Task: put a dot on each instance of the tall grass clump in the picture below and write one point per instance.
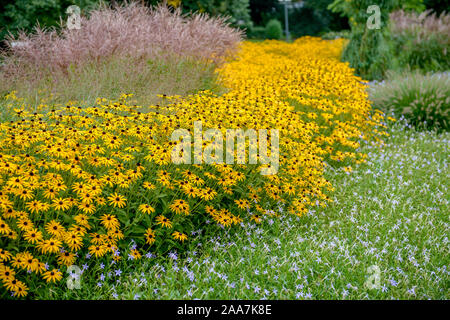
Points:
(424, 100)
(126, 39)
(421, 41)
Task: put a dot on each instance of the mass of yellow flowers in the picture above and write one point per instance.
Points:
(77, 180)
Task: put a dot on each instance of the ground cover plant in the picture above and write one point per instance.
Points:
(80, 180)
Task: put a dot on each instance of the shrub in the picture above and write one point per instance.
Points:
(274, 30)
(438, 6)
(256, 32)
(421, 41)
(424, 100)
(370, 51)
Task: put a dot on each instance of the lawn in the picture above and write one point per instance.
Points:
(389, 220)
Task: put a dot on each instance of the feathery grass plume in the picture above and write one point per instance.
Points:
(130, 31)
(421, 41)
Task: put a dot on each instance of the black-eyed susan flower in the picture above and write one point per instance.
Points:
(73, 240)
(110, 221)
(4, 255)
(6, 273)
(163, 221)
(20, 289)
(148, 185)
(135, 254)
(52, 275)
(117, 200)
(150, 237)
(242, 204)
(60, 204)
(66, 258)
(50, 246)
(146, 208)
(97, 250)
(54, 228)
(179, 236)
(33, 235)
(88, 208)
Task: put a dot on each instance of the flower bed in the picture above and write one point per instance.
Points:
(77, 180)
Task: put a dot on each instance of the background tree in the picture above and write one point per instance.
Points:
(24, 14)
(314, 18)
(438, 5)
(262, 11)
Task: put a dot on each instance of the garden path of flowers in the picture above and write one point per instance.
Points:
(81, 180)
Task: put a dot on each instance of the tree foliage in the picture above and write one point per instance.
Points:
(24, 14)
(369, 49)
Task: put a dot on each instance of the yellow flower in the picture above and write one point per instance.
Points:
(52, 275)
(135, 254)
(150, 236)
(163, 221)
(61, 204)
(117, 200)
(33, 235)
(179, 236)
(256, 218)
(146, 208)
(97, 250)
(66, 258)
(110, 222)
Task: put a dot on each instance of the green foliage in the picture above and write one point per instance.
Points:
(438, 5)
(24, 14)
(422, 99)
(314, 18)
(274, 30)
(370, 51)
(263, 10)
(238, 11)
(256, 32)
